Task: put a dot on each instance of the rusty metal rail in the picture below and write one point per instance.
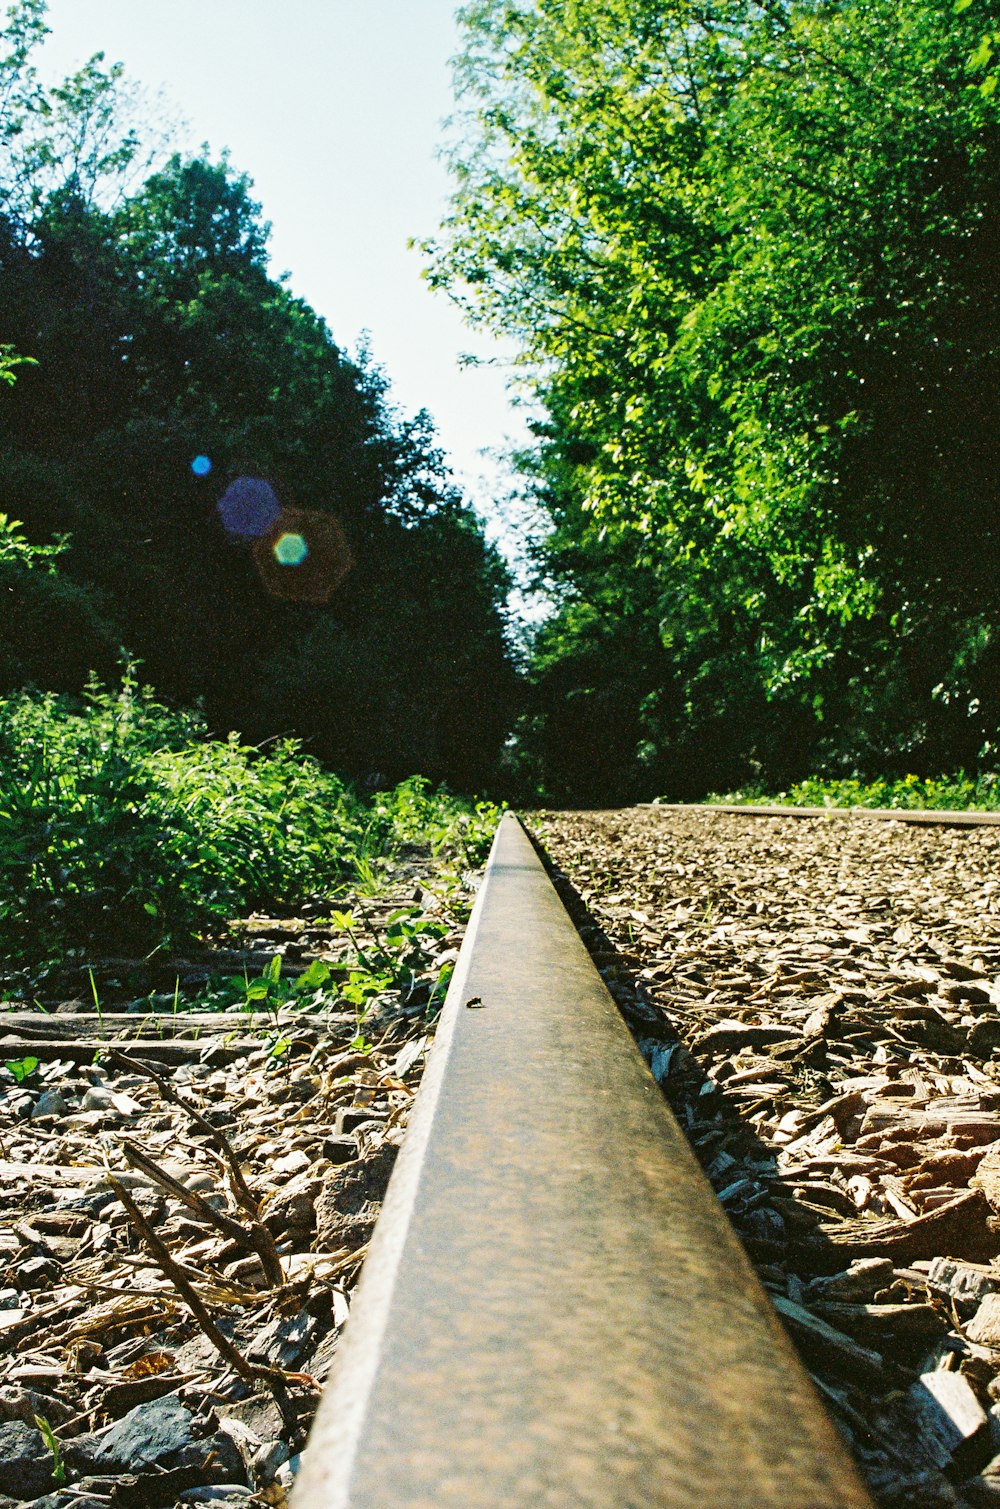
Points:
(923, 817)
(555, 1311)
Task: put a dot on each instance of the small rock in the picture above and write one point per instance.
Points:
(99, 1098)
(246, 1440)
(291, 1163)
(36, 1273)
(221, 1495)
(78, 1497)
(201, 1184)
(349, 1118)
(984, 1327)
(984, 1037)
(348, 1205)
(729, 1037)
(267, 1460)
(154, 1435)
(25, 1461)
(964, 990)
(281, 1343)
(20, 1403)
(49, 1103)
(219, 1116)
(763, 1228)
(965, 1281)
(340, 1149)
(287, 1472)
(293, 1208)
(861, 1281)
(987, 1175)
(952, 1424)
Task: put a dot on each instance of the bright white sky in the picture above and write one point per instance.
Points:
(334, 109)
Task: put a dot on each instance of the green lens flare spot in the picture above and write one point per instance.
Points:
(290, 550)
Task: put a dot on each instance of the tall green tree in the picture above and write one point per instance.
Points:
(158, 334)
(749, 253)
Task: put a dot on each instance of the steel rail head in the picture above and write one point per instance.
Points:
(941, 817)
(555, 1310)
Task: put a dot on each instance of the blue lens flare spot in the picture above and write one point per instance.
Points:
(290, 550)
(201, 466)
(249, 507)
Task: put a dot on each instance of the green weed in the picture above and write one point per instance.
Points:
(955, 792)
(51, 1440)
(124, 828)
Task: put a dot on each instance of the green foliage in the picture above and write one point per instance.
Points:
(9, 359)
(748, 254)
(59, 1475)
(156, 333)
(414, 813)
(21, 1069)
(946, 793)
(123, 827)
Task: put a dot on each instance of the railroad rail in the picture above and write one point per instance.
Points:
(923, 817)
(554, 1310)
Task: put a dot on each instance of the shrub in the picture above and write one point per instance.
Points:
(124, 827)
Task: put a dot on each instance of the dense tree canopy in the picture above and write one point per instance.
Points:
(750, 254)
(139, 289)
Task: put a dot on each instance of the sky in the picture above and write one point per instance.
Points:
(334, 109)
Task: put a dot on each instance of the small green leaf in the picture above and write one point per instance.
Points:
(961, 5)
(21, 1068)
(52, 1442)
(316, 975)
(983, 52)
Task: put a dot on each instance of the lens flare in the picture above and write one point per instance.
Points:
(201, 466)
(290, 550)
(311, 542)
(249, 508)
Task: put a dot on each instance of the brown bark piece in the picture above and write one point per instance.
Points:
(951, 1420)
(987, 1175)
(959, 1228)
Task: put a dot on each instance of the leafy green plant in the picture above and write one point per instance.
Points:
(957, 792)
(52, 1442)
(125, 828)
(16, 548)
(22, 1068)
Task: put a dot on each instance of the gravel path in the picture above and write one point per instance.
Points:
(214, 1190)
(819, 1000)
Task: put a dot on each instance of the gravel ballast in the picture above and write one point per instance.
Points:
(820, 1001)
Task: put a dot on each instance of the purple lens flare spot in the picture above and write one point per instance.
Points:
(249, 507)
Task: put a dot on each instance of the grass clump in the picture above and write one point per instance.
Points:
(944, 793)
(124, 827)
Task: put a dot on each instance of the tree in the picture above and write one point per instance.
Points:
(749, 254)
(159, 335)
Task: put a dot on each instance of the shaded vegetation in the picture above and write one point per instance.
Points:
(749, 253)
(947, 793)
(136, 285)
(124, 829)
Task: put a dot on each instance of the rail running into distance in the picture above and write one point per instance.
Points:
(554, 1310)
